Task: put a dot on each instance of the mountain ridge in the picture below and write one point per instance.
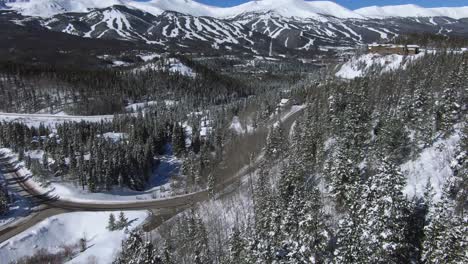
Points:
(287, 8)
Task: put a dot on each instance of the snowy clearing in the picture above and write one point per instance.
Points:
(171, 65)
(363, 65)
(67, 230)
(137, 106)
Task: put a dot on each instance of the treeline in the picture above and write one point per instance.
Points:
(31, 88)
(338, 197)
(428, 40)
(87, 153)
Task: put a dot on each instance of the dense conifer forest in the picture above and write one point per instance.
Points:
(328, 189)
(333, 191)
(271, 132)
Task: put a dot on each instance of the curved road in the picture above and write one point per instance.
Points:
(47, 206)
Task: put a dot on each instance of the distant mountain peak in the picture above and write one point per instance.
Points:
(411, 10)
(286, 8)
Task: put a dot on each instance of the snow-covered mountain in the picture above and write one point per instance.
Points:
(48, 8)
(259, 27)
(412, 11)
(169, 30)
(286, 8)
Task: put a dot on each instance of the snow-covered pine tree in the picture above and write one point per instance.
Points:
(422, 110)
(262, 202)
(313, 234)
(211, 185)
(445, 235)
(167, 255)
(237, 248)
(122, 222)
(198, 238)
(449, 108)
(344, 176)
(350, 229)
(458, 183)
(276, 143)
(374, 231)
(178, 139)
(393, 140)
(111, 226)
(385, 218)
(4, 201)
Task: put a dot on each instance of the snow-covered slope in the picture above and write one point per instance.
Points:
(286, 8)
(157, 7)
(67, 230)
(453, 12)
(374, 63)
(293, 8)
(432, 165)
(412, 11)
(47, 8)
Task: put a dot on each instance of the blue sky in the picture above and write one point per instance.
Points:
(353, 4)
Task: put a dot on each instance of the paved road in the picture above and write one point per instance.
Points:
(47, 206)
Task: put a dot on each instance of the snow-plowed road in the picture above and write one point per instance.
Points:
(48, 206)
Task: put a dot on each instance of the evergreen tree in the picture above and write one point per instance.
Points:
(374, 229)
(123, 221)
(4, 201)
(236, 247)
(167, 253)
(449, 108)
(211, 185)
(276, 143)
(445, 235)
(344, 177)
(458, 182)
(111, 226)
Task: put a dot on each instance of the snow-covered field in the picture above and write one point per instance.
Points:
(172, 65)
(362, 65)
(137, 106)
(67, 230)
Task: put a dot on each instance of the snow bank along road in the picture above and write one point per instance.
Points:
(47, 205)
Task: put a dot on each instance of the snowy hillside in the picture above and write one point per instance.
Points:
(286, 8)
(47, 8)
(56, 232)
(432, 165)
(157, 7)
(292, 8)
(366, 64)
(412, 11)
